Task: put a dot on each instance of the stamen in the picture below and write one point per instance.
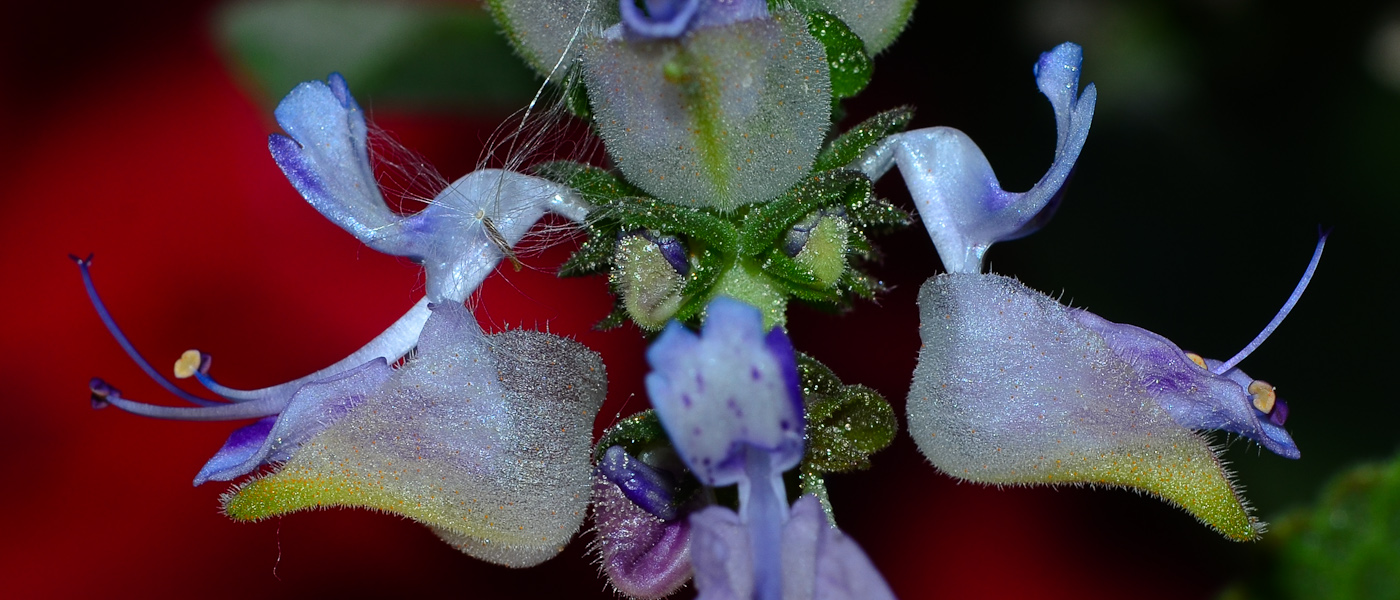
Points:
(1196, 358)
(103, 394)
(392, 344)
(190, 362)
(1263, 396)
(100, 392)
(83, 266)
(1283, 312)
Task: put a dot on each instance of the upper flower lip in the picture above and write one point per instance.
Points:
(954, 188)
(461, 236)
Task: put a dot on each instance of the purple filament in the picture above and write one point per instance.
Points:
(1278, 318)
(84, 264)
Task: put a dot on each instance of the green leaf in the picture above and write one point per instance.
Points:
(542, 31)
(615, 319)
(650, 213)
(593, 256)
(636, 434)
(766, 224)
(877, 22)
(411, 55)
(1347, 546)
(599, 187)
(850, 145)
(810, 481)
(872, 212)
(850, 67)
(845, 424)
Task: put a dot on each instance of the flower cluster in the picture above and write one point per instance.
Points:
(730, 195)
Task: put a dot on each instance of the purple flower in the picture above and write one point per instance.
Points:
(457, 428)
(462, 423)
(1014, 387)
(731, 404)
(644, 555)
(459, 238)
(288, 413)
(957, 194)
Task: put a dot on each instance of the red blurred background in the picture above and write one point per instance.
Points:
(127, 136)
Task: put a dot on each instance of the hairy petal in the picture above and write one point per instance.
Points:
(1195, 397)
(313, 408)
(483, 438)
(643, 556)
(722, 117)
(1011, 388)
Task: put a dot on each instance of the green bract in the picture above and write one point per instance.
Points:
(845, 54)
(877, 22)
(719, 118)
(543, 30)
(801, 244)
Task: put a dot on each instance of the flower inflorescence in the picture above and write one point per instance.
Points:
(731, 194)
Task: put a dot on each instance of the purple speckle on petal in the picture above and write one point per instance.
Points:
(755, 373)
(685, 399)
(734, 407)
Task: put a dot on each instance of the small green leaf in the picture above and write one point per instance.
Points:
(850, 145)
(636, 434)
(810, 481)
(599, 187)
(766, 224)
(872, 212)
(850, 67)
(593, 256)
(615, 319)
(845, 423)
(877, 22)
(650, 213)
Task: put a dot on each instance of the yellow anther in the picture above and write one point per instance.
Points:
(1196, 358)
(188, 364)
(1263, 395)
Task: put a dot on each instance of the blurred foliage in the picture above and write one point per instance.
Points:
(1347, 546)
(416, 56)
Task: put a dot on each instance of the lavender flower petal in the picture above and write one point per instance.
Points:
(315, 407)
(819, 561)
(955, 190)
(1195, 397)
(816, 560)
(464, 233)
(1014, 388)
(643, 556)
(724, 390)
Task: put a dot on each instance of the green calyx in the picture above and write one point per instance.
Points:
(806, 244)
